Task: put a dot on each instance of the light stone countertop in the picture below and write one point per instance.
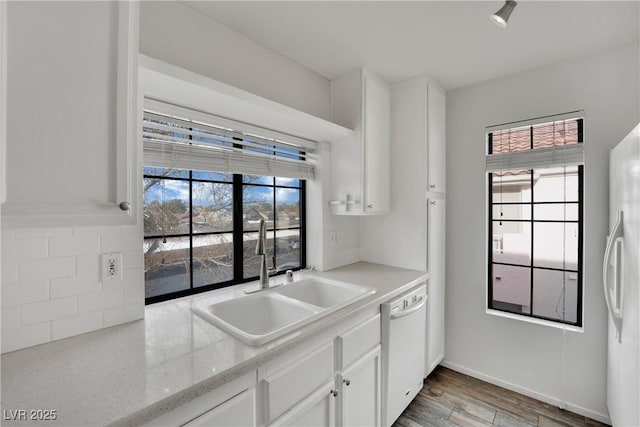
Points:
(129, 374)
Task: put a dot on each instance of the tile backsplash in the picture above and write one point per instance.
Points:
(51, 284)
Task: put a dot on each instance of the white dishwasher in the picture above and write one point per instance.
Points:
(404, 322)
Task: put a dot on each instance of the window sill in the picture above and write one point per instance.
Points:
(536, 321)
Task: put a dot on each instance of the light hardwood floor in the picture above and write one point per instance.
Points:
(449, 398)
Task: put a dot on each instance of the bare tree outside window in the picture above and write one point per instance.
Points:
(192, 225)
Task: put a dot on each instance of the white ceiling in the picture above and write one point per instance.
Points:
(452, 41)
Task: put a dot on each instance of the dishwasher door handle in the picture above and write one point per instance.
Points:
(410, 310)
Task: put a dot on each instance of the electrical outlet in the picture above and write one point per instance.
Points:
(112, 266)
(333, 238)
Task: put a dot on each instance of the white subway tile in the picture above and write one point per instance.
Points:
(130, 229)
(9, 272)
(19, 249)
(76, 325)
(16, 339)
(134, 294)
(25, 293)
(31, 233)
(133, 277)
(99, 230)
(51, 268)
(133, 259)
(70, 286)
(124, 314)
(88, 266)
(123, 242)
(10, 318)
(48, 310)
(7, 234)
(75, 245)
(100, 301)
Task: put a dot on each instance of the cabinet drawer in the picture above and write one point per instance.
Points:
(295, 382)
(217, 402)
(239, 411)
(357, 341)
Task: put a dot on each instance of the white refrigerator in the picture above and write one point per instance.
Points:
(621, 278)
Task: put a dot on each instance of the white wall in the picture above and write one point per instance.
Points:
(557, 366)
(175, 33)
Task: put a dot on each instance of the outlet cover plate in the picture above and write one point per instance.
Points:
(111, 266)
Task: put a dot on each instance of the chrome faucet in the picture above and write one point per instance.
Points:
(261, 250)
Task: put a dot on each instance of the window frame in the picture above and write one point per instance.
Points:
(237, 231)
(532, 221)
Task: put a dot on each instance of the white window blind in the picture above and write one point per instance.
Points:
(180, 138)
(539, 143)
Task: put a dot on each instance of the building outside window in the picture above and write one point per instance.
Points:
(535, 219)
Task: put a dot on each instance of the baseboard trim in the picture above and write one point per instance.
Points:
(603, 418)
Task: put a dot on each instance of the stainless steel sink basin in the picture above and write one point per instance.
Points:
(258, 318)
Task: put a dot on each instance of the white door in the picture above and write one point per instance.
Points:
(317, 410)
(436, 267)
(621, 284)
(436, 111)
(377, 101)
(361, 392)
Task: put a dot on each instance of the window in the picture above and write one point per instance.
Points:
(535, 219)
(205, 192)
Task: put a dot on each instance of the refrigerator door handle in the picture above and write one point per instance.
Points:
(612, 252)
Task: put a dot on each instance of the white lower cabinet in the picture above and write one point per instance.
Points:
(358, 378)
(296, 395)
(331, 381)
(317, 410)
(360, 390)
(232, 404)
(295, 377)
(436, 217)
(238, 411)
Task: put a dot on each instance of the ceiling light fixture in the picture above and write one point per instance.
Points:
(501, 17)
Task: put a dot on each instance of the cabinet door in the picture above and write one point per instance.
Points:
(360, 386)
(72, 114)
(318, 410)
(436, 266)
(376, 116)
(239, 411)
(436, 110)
(299, 378)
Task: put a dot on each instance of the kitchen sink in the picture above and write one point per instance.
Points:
(321, 293)
(259, 318)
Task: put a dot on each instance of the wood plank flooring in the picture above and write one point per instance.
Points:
(449, 398)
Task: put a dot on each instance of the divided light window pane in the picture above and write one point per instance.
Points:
(193, 224)
(535, 225)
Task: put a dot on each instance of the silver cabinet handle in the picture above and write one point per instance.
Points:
(346, 382)
(334, 393)
(433, 202)
(370, 206)
(432, 186)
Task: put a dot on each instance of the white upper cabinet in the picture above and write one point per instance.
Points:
(71, 114)
(360, 168)
(419, 112)
(436, 150)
